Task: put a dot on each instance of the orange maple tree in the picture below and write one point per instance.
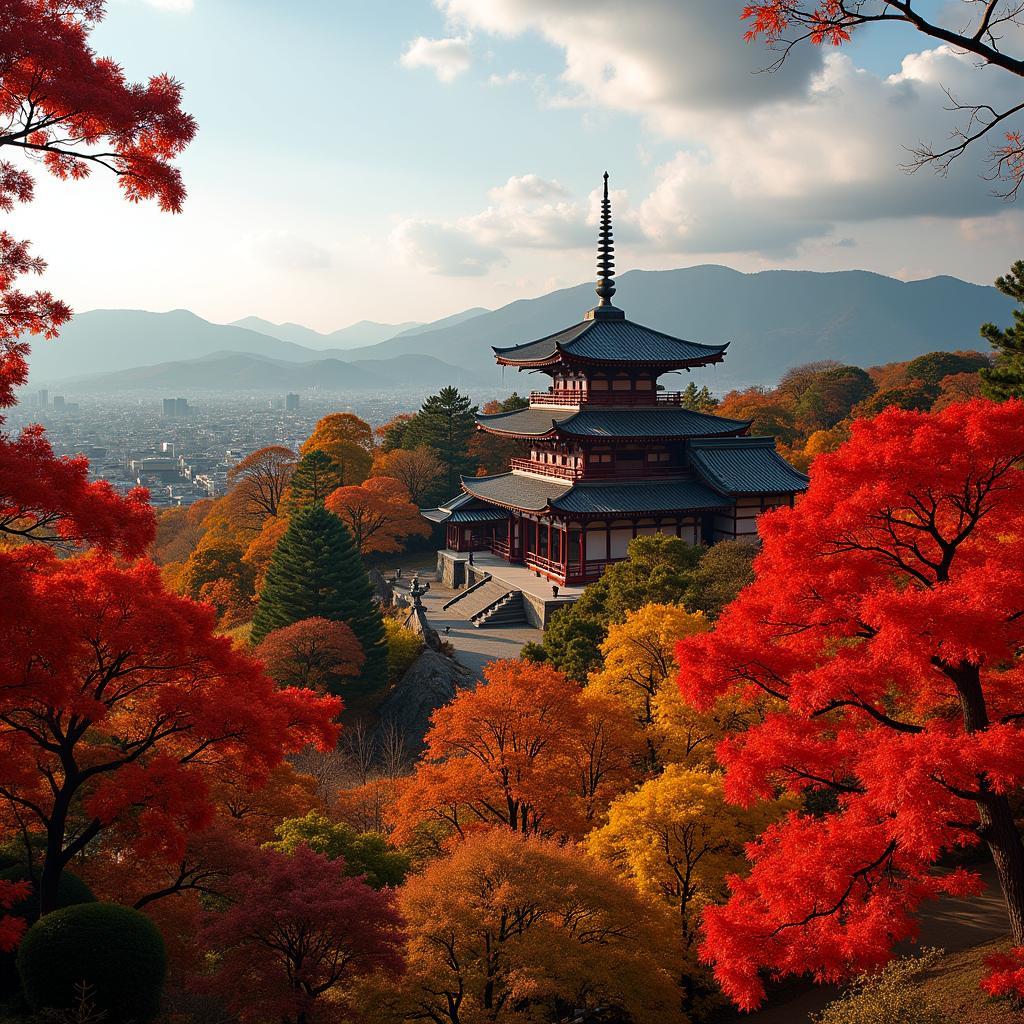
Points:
(527, 750)
(378, 513)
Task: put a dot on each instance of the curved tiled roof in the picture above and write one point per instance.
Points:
(537, 494)
(603, 340)
(516, 490)
(642, 496)
(461, 509)
(661, 422)
(744, 465)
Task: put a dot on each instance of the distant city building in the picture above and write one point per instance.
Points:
(291, 403)
(177, 408)
(58, 403)
(167, 447)
(277, 403)
(44, 398)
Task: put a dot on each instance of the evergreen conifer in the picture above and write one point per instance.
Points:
(316, 571)
(314, 478)
(445, 423)
(1005, 379)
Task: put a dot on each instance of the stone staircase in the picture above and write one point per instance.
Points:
(490, 603)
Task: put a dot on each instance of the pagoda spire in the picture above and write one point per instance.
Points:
(605, 286)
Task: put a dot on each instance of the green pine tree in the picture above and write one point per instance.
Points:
(315, 476)
(1005, 378)
(316, 571)
(445, 423)
(698, 399)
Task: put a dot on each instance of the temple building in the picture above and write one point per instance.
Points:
(608, 455)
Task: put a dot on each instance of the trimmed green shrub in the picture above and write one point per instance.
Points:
(115, 950)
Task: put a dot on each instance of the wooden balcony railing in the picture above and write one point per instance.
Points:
(634, 470)
(545, 469)
(502, 549)
(567, 397)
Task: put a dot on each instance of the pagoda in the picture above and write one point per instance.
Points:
(608, 455)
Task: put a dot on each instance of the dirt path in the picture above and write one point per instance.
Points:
(951, 924)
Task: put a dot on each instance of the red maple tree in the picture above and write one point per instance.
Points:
(120, 708)
(297, 929)
(68, 107)
(314, 653)
(882, 638)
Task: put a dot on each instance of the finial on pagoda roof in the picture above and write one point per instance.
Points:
(605, 286)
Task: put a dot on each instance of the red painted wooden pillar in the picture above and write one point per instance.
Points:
(583, 549)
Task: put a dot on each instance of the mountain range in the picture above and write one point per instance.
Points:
(773, 320)
(363, 333)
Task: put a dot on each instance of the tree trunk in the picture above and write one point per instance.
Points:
(53, 864)
(999, 831)
(996, 825)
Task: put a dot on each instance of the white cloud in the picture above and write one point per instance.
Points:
(657, 58)
(527, 212)
(446, 249)
(283, 250)
(767, 161)
(447, 58)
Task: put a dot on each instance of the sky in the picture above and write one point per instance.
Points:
(399, 160)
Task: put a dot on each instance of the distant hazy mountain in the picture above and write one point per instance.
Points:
(774, 319)
(114, 339)
(228, 371)
(366, 332)
(448, 321)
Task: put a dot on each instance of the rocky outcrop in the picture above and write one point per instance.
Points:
(431, 681)
(416, 620)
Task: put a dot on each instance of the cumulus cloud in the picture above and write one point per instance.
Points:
(447, 249)
(660, 58)
(447, 58)
(766, 161)
(525, 212)
(772, 177)
(285, 251)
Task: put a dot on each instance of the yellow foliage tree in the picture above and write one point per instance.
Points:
(404, 646)
(639, 662)
(509, 928)
(678, 837)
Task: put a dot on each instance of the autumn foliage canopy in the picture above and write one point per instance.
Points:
(120, 707)
(882, 637)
